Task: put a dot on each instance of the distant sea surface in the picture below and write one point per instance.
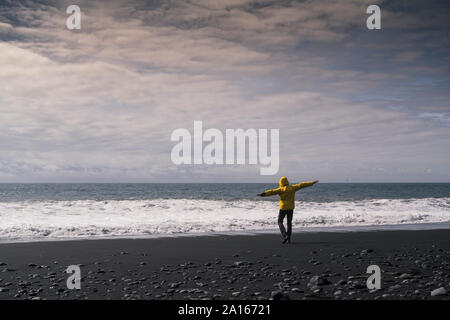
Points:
(36, 212)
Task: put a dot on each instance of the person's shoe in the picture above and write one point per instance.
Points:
(286, 239)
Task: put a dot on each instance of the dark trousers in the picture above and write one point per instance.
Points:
(281, 215)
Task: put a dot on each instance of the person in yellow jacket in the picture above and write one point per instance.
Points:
(287, 203)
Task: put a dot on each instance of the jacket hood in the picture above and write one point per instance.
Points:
(284, 182)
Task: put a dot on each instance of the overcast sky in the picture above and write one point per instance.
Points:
(100, 104)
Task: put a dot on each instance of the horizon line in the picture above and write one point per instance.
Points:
(172, 182)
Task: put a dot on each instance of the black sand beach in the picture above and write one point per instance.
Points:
(413, 264)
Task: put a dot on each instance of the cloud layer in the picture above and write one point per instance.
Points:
(100, 104)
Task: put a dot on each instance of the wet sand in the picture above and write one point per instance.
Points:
(320, 265)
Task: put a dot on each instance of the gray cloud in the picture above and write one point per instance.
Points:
(100, 104)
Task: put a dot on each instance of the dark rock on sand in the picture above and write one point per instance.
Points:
(338, 293)
(318, 281)
(279, 295)
(341, 282)
(438, 292)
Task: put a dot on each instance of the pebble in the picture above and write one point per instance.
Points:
(240, 263)
(438, 292)
(174, 285)
(318, 281)
(279, 295)
(395, 287)
(341, 282)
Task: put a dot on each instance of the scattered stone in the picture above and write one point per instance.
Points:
(316, 281)
(240, 263)
(279, 295)
(341, 282)
(438, 292)
(174, 285)
(395, 287)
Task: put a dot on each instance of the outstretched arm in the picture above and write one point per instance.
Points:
(304, 184)
(270, 192)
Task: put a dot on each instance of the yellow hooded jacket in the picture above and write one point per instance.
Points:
(287, 193)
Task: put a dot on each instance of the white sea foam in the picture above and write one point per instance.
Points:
(49, 220)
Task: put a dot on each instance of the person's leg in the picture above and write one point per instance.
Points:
(280, 223)
(289, 216)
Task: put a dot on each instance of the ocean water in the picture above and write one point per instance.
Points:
(36, 212)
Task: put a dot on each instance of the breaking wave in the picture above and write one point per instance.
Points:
(81, 219)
